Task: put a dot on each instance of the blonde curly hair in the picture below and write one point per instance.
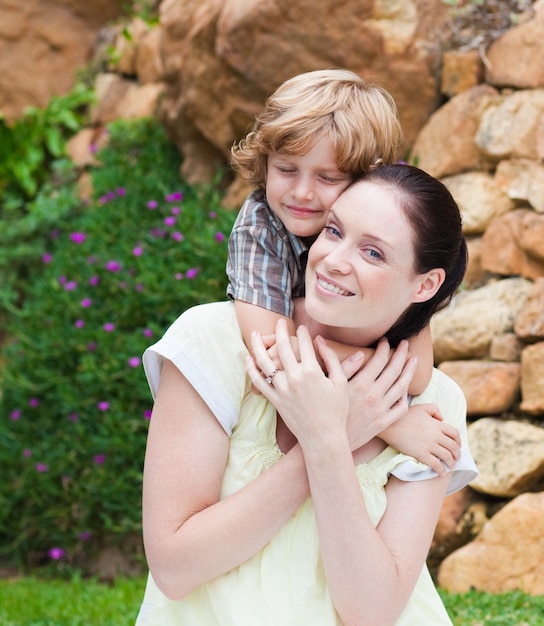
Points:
(359, 117)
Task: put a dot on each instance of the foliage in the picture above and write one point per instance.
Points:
(475, 24)
(75, 402)
(37, 184)
(28, 146)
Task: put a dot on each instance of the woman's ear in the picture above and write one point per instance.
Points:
(430, 284)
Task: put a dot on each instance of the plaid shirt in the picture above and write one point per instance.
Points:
(266, 262)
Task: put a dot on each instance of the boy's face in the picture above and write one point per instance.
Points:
(301, 189)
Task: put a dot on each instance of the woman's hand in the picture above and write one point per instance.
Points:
(378, 392)
(312, 404)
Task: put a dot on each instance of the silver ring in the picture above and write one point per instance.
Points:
(270, 378)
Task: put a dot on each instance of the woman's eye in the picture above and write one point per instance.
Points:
(334, 232)
(374, 254)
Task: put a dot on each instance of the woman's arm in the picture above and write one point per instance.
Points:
(191, 536)
(370, 572)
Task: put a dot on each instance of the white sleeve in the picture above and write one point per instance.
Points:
(206, 345)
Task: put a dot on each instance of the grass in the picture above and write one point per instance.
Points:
(78, 602)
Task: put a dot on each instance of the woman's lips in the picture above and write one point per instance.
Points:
(331, 287)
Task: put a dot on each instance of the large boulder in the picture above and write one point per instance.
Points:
(42, 45)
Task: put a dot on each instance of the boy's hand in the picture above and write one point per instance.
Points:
(423, 434)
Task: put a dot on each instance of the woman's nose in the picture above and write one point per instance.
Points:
(337, 260)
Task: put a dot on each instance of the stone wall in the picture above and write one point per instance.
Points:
(473, 115)
(42, 45)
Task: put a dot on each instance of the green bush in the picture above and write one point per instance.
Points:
(36, 183)
(75, 403)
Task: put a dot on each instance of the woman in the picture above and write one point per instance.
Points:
(250, 518)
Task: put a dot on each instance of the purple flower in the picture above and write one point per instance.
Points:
(113, 266)
(121, 191)
(219, 237)
(85, 535)
(175, 210)
(104, 405)
(73, 417)
(46, 258)
(70, 285)
(94, 280)
(191, 273)
(56, 554)
(78, 237)
(157, 232)
(86, 303)
(15, 414)
(99, 459)
(148, 332)
(27, 453)
(42, 467)
(174, 197)
(212, 215)
(34, 402)
(169, 220)
(109, 327)
(137, 251)
(147, 414)
(177, 236)
(93, 148)
(178, 276)
(139, 287)
(79, 323)
(134, 361)
(91, 347)
(152, 204)
(62, 280)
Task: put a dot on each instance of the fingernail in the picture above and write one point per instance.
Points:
(357, 356)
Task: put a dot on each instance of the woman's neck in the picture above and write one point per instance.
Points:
(350, 336)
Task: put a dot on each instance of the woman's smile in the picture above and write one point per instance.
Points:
(330, 286)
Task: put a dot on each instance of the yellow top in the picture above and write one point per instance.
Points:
(284, 583)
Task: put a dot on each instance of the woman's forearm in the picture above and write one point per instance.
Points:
(222, 536)
(361, 572)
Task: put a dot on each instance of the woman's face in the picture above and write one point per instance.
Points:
(360, 269)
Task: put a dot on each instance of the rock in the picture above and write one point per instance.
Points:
(507, 555)
(461, 70)
(490, 387)
(42, 45)
(454, 125)
(512, 244)
(512, 126)
(515, 58)
(465, 328)
(506, 347)
(475, 275)
(529, 323)
(479, 198)
(532, 385)
(223, 58)
(508, 454)
(523, 181)
(121, 98)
